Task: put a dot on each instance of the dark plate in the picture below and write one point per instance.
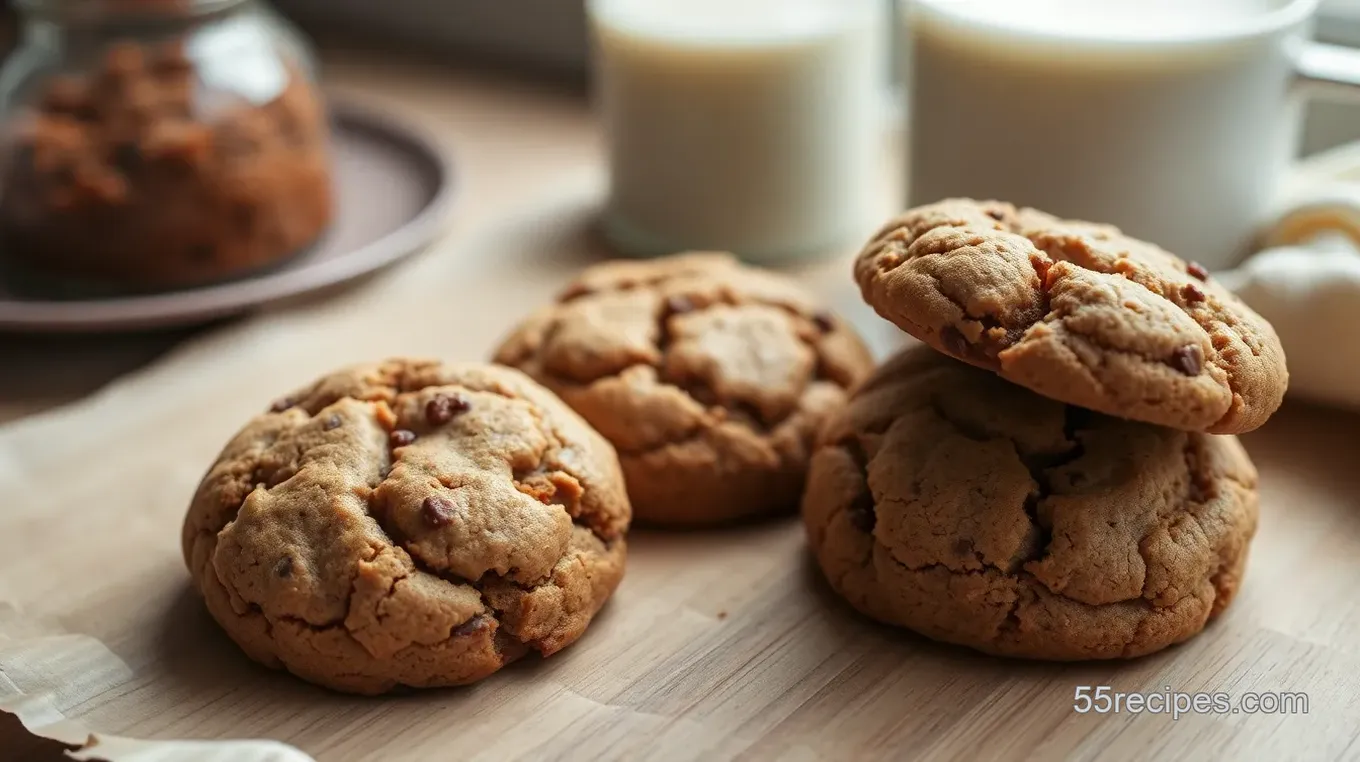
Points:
(394, 188)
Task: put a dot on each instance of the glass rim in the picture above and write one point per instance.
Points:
(1286, 14)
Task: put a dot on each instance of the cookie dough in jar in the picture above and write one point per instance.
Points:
(158, 144)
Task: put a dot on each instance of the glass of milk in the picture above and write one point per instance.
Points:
(1173, 119)
(751, 126)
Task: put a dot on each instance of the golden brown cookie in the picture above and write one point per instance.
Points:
(409, 524)
(972, 511)
(710, 379)
(1078, 312)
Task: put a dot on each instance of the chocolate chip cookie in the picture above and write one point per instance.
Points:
(710, 379)
(1078, 312)
(409, 523)
(975, 512)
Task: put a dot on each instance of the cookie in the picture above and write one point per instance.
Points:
(1078, 312)
(975, 512)
(408, 523)
(710, 379)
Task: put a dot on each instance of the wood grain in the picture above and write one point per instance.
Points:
(719, 645)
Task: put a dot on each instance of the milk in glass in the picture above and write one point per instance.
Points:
(742, 125)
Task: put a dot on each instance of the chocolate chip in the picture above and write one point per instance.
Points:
(284, 568)
(1197, 270)
(333, 422)
(401, 438)
(824, 322)
(679, 305)
(862, 514)
(472, 626)
(1191, 294)
(443, 408)
(953, 341)
(282, 404)
(438, 511)
(996, 214)
(1188, 359)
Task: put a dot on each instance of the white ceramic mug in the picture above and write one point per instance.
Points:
(1176, 120)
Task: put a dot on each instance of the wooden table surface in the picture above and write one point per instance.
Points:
(719, 645)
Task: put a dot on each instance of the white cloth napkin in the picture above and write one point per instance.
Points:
(1306, 281)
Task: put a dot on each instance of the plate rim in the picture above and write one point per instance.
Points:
(159, 311)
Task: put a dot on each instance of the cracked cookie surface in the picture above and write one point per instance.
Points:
(409, 523)
(975, 512)
(710, 379)
(1078, 312)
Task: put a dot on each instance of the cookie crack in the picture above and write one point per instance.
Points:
(378, 615)
(559, 381)
(593, 521)
(989, 346)
(1196, 495)
(702, 391)
(1039, 466)
(940, 289)
(394, 539)
(456, 631)
(1168, 362)
(1027, 581)
(746, 415)
(1011, 623)
(497, 616)
(466, 627)
(1210, 318)
(940, 565)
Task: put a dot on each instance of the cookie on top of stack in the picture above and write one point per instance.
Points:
(1067, 486)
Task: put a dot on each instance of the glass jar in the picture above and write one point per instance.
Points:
(158, 144)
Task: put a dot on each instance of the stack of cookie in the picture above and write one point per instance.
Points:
(1053, 476)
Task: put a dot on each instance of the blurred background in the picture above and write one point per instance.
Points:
(542, 45)
(550, 36)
